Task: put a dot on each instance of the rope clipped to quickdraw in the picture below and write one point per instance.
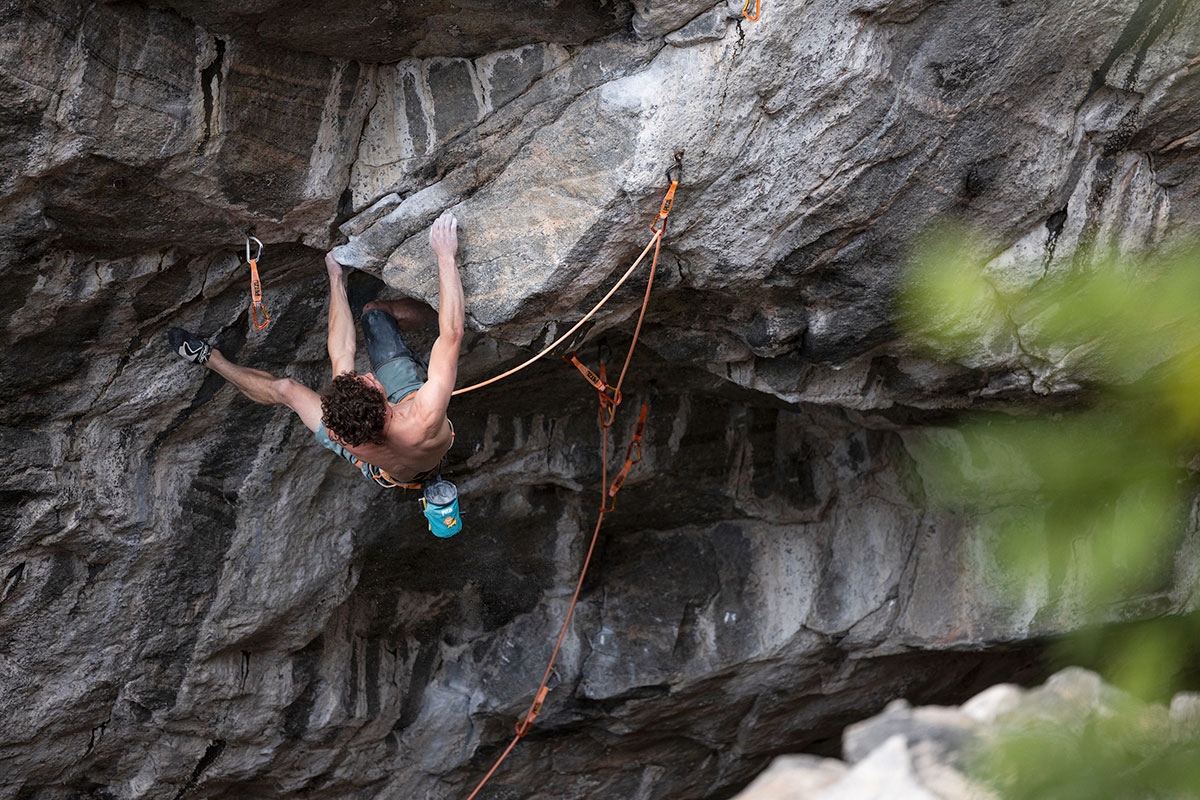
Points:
(256, 303)
(610, 398)
(633, 454)
(746, 10)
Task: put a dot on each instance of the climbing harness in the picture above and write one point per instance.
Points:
(439, 497)
(609, 398)
(381, 477)
(746, 12)
(256, 303)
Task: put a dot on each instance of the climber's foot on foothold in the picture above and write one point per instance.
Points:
(189, 346)
(361, 288)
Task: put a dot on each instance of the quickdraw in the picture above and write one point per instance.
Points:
(526, 723)
(659, 225)
(256, 303)
(610, 396)
(633, 454)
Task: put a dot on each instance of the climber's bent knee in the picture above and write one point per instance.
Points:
(299, 398)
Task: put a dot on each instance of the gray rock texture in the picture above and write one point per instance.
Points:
(198, 602)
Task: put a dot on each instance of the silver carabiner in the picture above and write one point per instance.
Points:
(257, 255)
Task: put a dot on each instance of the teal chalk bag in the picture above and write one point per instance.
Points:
(440, 505)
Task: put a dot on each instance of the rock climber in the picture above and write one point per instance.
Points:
(391, 422)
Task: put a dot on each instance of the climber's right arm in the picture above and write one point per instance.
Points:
(341, 340)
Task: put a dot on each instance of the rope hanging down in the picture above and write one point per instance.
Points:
(609, 399)
(256, 303)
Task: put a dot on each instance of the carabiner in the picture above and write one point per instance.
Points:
(257, 255)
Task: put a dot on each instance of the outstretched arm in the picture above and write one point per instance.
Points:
(434, 396)
(341, 325)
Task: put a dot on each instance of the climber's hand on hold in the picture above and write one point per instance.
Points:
(443, 237)
(334, 268)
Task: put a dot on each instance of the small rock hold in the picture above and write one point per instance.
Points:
(708, 27)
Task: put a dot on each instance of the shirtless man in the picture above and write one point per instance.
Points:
(391, 422)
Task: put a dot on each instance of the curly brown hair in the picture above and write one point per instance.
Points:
(353, 411)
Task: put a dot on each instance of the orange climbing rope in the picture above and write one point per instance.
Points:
(256, 303)
(609, 399)
(653, 242)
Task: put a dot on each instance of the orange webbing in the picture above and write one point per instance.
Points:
(587, 373)
(757, 7)
(633, 454)
(674, 175)
(610, 398)
(256, 304)
(660, 222)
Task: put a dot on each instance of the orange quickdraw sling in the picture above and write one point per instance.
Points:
(256, 303)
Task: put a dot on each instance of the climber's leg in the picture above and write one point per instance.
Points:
(395, 366)
(410, 314)
(261, 387)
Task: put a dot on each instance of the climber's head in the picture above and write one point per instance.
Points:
(354, 409)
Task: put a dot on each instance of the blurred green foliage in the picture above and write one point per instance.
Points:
(1090, 491)
(1128, 754)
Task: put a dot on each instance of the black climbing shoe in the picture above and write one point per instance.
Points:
(189, 346)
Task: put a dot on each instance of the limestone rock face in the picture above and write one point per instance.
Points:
(197, 601)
